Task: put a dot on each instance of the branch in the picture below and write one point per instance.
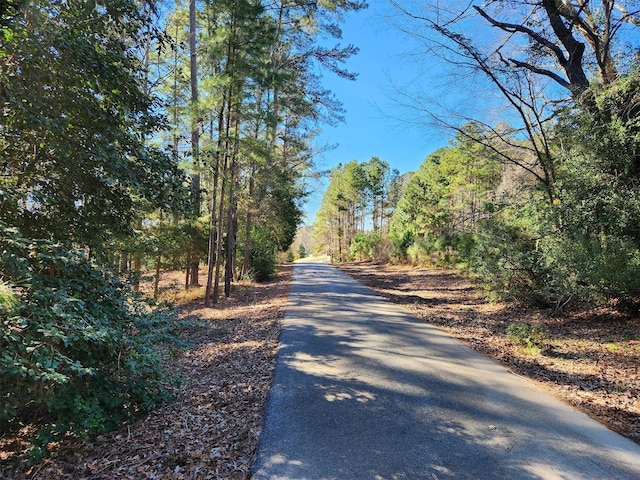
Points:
(627, 17)
(515, 28)
(542, 71)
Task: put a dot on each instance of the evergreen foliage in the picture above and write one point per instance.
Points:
(75, 114)
(78, 351)
(551, 216)
(136, 137)
(359, 196)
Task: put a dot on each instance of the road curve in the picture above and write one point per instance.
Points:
(363, 390)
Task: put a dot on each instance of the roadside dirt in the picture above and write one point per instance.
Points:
(211, 429)
(591, 358)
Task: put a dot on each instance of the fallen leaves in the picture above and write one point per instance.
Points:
(211, 429)
(592, 360)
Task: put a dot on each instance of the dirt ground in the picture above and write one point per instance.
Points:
(591, 358)
(211, 429)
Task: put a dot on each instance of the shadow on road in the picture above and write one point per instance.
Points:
(364, 390)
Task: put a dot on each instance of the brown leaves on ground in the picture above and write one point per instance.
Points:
(210, 430)
(591, 360)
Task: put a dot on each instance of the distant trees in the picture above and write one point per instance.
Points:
(537, 193)
(444, 201)
(566, 138)
(359, 198)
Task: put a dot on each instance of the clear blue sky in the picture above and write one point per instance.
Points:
(370, 128)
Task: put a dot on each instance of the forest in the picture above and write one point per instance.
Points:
(139, 137)
(539, 202)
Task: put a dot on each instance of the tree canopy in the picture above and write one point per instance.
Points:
(537, 192)
(75, 116)
(135, 137)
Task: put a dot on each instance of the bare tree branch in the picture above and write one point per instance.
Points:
(542, 71)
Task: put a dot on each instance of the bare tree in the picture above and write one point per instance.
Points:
(535, 52)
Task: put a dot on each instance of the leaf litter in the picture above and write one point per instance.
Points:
(212, 427)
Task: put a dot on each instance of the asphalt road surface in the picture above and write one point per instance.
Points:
(363, 390)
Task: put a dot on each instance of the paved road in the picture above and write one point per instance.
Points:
(363, 390)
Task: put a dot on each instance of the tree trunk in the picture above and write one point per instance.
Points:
(232, 222)
(187, 270)
(124, 262)
(195, 134)
(223, 187)
(156, 280)
(213, 224)
(248, 223)
(219, 238)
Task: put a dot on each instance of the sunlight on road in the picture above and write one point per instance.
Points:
(361, 382)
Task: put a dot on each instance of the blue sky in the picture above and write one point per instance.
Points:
(372, 126)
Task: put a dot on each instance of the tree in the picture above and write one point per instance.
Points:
(422, 209)
(75, 116)
(78, 348)
(532, 44)
(564, 73)
(380, 181)
(454, 189)
(195, 137)
(571, 34)
(354, 202)
(554, 39)
(264, 98)
(341, 213)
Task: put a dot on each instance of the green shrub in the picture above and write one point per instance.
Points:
(290, 256)
(78, 353)
(401, 244)
(364, 245)
(420, 252)
(527, 335)
(8, 301)
(465, 246)
(264, 254)
(507, 258)
(263, 262)
(595, 270)
(445, 250)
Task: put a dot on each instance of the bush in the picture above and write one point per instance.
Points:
(595, 270)
(420, 252)
(401, 245)
(508, 259)
(78, 351)
(445, 250)
(262, 257)
(466, 243)
(529, 336)
(364, 246)
(263, 262)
